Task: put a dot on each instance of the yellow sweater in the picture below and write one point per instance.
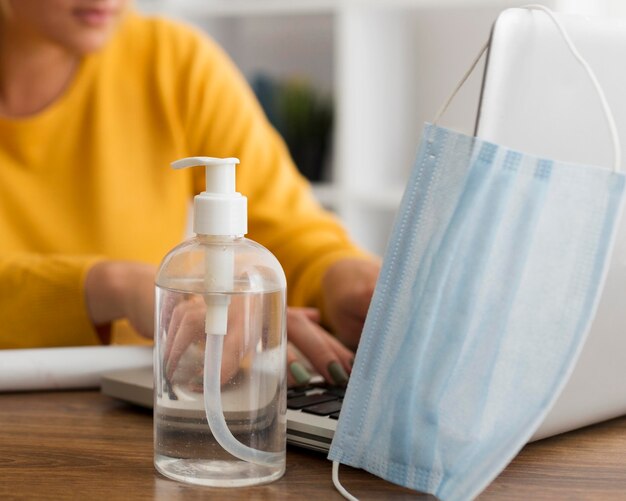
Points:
(89, 178)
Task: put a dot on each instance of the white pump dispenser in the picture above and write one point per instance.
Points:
(232, 265)
(217, 211)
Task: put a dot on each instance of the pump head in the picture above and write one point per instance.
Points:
(219, 210)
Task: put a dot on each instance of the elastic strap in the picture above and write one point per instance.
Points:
(470, 70)
(338, 485)
(617, 154)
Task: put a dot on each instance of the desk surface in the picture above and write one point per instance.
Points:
(83, 445)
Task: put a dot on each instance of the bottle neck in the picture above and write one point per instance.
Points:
(219, 238)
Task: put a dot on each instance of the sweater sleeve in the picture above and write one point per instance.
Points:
(52, 286)
(222, 118)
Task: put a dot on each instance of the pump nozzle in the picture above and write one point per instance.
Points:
(219, 172)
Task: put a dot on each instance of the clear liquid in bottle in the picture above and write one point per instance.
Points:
(253, 386)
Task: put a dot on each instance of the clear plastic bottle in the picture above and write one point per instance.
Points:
(220, 381)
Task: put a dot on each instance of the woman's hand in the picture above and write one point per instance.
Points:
(347, 288)
(326, 354)
(121, 289)
(185, 345)
(118, 289)
(186, 338)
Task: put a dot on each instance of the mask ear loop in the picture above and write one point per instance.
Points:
(342, 490)
(467, 74)
(617, 153)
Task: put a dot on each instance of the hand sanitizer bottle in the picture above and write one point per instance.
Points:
(220, 355)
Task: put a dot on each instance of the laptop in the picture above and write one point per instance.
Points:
(538, 99)
(527, 58)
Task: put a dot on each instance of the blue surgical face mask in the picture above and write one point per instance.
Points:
(488, 288)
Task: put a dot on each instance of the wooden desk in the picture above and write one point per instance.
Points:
(85, 446)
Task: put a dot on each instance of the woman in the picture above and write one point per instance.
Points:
(95, 101)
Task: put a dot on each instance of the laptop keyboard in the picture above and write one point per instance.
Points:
(320, 400)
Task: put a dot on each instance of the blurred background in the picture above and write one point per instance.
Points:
(349, 83)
